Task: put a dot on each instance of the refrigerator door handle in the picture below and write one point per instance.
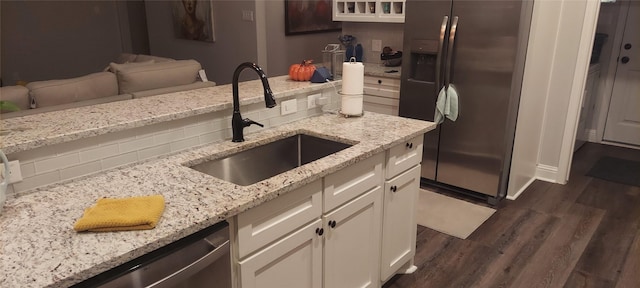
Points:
(443, 31)
(452, 39)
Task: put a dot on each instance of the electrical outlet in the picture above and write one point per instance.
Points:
(15, 174)
(289, 107)
(311, 100)
(376, 45)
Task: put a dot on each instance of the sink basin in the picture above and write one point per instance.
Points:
(265, 161)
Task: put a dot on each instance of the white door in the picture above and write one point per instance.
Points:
(623, 119)
(399, 221)
(352, 243)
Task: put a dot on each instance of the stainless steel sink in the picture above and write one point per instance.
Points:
(265, 161)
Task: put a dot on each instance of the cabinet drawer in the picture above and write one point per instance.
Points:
(352, 181)
(382, 81)
(404, 156)
(269, 221)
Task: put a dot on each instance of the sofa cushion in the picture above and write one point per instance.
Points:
(96, 101)
(157, 59)
(137, 78)
(114, 67)
(56, 92)
(18, 95)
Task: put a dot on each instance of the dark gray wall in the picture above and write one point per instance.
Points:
(44, 40)
(282, 51)
(58, 39)
(235, 40)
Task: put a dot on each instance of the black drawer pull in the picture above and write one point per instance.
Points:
(332, 223)
(319, 231)
(409, 145)
(393, 188)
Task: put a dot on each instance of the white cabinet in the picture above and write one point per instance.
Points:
(381, 95)
(352, 242)
(369, 11)
(331, 233)
(293, 261)
(402, 173)
(588, 106)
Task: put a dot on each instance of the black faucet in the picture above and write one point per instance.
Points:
(237, 123)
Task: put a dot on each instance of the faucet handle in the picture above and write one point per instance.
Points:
(246, 122)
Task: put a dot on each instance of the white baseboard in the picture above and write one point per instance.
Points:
(592, 137)
(524, 187)
(547, 173)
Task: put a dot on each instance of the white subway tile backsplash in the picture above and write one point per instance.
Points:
(37, 181)
(168, 137)
(136, 144)
(119, 160)
(185, 143)
(99, 153)
(28, 169)
(80, 170)
(50, 164)
(154, 151)
(57, 163)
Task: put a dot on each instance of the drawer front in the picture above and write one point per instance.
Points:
(269, 221)
(383, 87)
(404, 156)
(379, 108)
(352, 181)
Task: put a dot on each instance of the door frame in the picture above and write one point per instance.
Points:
(577, 90)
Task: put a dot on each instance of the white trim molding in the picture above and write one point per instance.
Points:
(547, 173)
(521, 190)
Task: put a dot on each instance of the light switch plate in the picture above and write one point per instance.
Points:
(15, 174)
(289, 107)
(311, 100)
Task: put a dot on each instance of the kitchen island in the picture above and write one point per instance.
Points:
(39, 248)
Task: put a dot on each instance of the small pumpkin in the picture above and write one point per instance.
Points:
(302, 71)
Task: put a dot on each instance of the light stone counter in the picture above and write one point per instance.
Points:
(39, 248)
(378, 70)
(34, 131)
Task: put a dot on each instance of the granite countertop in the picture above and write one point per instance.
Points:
(378, 70)
(34, 131)
(39, 248)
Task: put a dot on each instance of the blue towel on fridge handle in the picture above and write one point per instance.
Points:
(446, 105)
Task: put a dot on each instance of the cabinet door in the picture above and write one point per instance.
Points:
(293, 261)
(399, 221)
(352, 243)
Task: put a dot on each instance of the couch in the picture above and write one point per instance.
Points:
(130, 76)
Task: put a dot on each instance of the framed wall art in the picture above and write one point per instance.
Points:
(193, 20)
(309, 16)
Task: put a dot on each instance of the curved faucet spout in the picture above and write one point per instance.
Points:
(237, 123)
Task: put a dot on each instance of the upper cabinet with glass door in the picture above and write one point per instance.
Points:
(369, 11)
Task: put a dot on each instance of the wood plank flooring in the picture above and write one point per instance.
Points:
(582, 234)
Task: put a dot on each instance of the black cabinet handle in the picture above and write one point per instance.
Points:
(409, 145)
(393, 188)
(332, 223)
(624, 60)
(319, 231)
(379, 81)
(627, 46)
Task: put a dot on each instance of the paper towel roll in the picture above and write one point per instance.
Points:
(351, 105)
(352, 78)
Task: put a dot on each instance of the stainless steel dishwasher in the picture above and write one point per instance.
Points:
(199, 260)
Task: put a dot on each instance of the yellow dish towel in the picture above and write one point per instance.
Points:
(134, 213)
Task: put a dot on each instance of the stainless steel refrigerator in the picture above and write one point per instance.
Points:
(479, 47)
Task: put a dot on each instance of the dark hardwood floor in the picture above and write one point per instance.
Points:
(582, 234)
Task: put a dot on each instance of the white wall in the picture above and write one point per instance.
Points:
(555, 75)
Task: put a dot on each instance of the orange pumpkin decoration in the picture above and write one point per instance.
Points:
(302, 71)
